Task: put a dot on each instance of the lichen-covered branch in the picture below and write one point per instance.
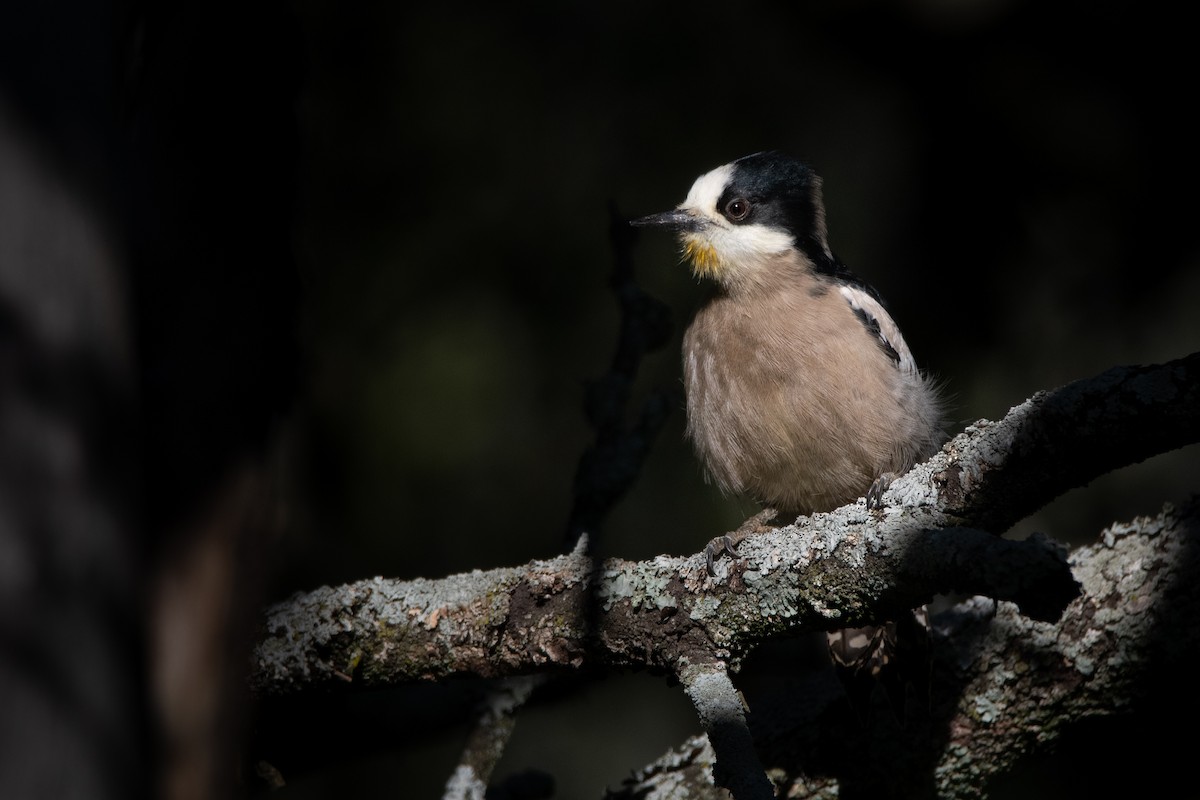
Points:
(659, 613)
(1003, 685)
(1058, 440)
(827, 571)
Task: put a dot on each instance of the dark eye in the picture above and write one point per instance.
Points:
(737, 209)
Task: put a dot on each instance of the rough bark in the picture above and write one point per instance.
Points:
(1003, 685)
(563, 612)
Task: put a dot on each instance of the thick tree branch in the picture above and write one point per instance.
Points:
(1003, 685)
(831, 570)
(1061, 439)
(659, 613)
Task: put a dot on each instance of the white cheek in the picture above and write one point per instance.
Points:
(724, 250)
(748, 245)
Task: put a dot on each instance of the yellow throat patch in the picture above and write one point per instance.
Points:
(703, 257)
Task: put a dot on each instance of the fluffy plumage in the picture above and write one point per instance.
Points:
(801, 391)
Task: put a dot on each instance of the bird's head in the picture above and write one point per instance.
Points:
(741, 215)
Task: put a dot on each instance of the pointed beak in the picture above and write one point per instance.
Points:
(677, 220)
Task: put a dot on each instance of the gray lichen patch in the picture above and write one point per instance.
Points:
(643, 584)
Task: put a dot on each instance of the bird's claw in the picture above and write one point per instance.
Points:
(726, 545)
(878, 487)
(718, 547)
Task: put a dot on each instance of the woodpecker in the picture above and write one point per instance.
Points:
(801, 392)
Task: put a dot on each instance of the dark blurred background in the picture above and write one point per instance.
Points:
(1013, 177)
(368, 243)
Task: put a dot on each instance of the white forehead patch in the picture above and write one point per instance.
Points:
(707, 189)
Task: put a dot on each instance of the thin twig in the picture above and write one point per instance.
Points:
(612, 463)
(487, 740)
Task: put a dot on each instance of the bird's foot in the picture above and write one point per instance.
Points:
(726, 544)
(878, 487)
